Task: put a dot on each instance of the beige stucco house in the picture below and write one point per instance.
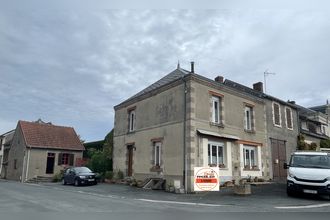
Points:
(185, 120)
(41, 149)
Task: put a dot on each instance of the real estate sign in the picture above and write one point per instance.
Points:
(206, 179)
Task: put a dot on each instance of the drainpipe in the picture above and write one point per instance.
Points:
(27, 165)
(184, 135)
(1, 161)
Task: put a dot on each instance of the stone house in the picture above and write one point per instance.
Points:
(282, 127)
(314, 125)
(185, 120)
(41, 149)
(5, 141)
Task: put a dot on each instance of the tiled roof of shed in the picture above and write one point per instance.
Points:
(43, 135)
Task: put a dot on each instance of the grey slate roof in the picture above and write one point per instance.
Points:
(321, 108)
(172, 76)
(243, 88)
(255, 93)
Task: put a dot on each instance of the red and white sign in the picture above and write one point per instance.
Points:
(206, 179)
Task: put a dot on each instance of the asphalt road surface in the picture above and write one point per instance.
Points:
(109, 198)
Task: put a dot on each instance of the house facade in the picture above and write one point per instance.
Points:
(186, 120)
(282, 127)
(314, 126)
(41, 149)
(5, 141)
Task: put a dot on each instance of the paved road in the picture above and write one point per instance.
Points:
(105, 198)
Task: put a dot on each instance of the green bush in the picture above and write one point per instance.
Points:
(58, 176)
(108, 175)
(99, 163)
(120, 175)
(325, 143)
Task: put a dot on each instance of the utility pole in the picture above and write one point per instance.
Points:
(266, 73)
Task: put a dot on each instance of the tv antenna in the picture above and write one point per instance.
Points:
(266, 73)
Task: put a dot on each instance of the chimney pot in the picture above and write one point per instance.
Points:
(192, 67)
(258, 86)
(219, 79)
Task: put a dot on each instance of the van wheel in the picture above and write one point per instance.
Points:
(290, 193)
(76, 183)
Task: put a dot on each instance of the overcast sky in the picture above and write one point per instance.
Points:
(71, 67)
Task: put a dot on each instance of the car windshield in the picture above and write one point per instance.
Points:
(311, 161)
(82, 170)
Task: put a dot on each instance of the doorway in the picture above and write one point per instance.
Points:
(50, 163)
(278, 159)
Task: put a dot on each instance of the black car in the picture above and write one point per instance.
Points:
(79, 176)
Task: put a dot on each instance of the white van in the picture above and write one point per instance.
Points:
(309, 172)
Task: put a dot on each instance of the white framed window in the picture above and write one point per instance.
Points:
(248, 117)
(288, 118)
(250, 157)
(216, 154)
(158, 152)
(131, 125)
(277, 114)
(216, 109)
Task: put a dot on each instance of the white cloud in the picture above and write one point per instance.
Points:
(73, 67)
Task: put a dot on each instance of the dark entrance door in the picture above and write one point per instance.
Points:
(50, 163)
(130, 160)
(278, 159)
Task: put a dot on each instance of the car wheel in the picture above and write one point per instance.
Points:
(63, 182)
(76, 182)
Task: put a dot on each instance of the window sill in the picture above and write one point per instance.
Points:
(253, 169)
(220, 125)
(220, 166)
(250, 131)
(131, 132)
(156, 169)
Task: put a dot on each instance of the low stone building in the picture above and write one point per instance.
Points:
(41, 149)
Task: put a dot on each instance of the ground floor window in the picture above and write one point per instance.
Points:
(216, 154)
(250, 157)
(65, 159)
(157, 156)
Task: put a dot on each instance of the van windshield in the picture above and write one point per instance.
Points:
(310, 161)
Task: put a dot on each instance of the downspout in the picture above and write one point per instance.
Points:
(27, 165)
(184, 135)
(2, 149)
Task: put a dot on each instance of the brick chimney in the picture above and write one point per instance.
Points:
(258, 87)
(219, 79)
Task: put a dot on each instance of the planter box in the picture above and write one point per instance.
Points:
(244, 189)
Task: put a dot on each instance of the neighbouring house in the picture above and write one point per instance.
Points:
(5, 141)
(325, 110)
(185, 120)
(282, 127)
(40, 149)
(314, 126)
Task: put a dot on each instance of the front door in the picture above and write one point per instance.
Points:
(130, 160)
(278, 159)
(50, 163)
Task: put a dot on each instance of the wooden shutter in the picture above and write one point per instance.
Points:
(71, 159)
(277, 114)
(59, 162)
(289, 118)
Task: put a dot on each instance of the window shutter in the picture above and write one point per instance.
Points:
(71, 159)
(59, 162)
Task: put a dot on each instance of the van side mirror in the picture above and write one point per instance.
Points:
(286, 166)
